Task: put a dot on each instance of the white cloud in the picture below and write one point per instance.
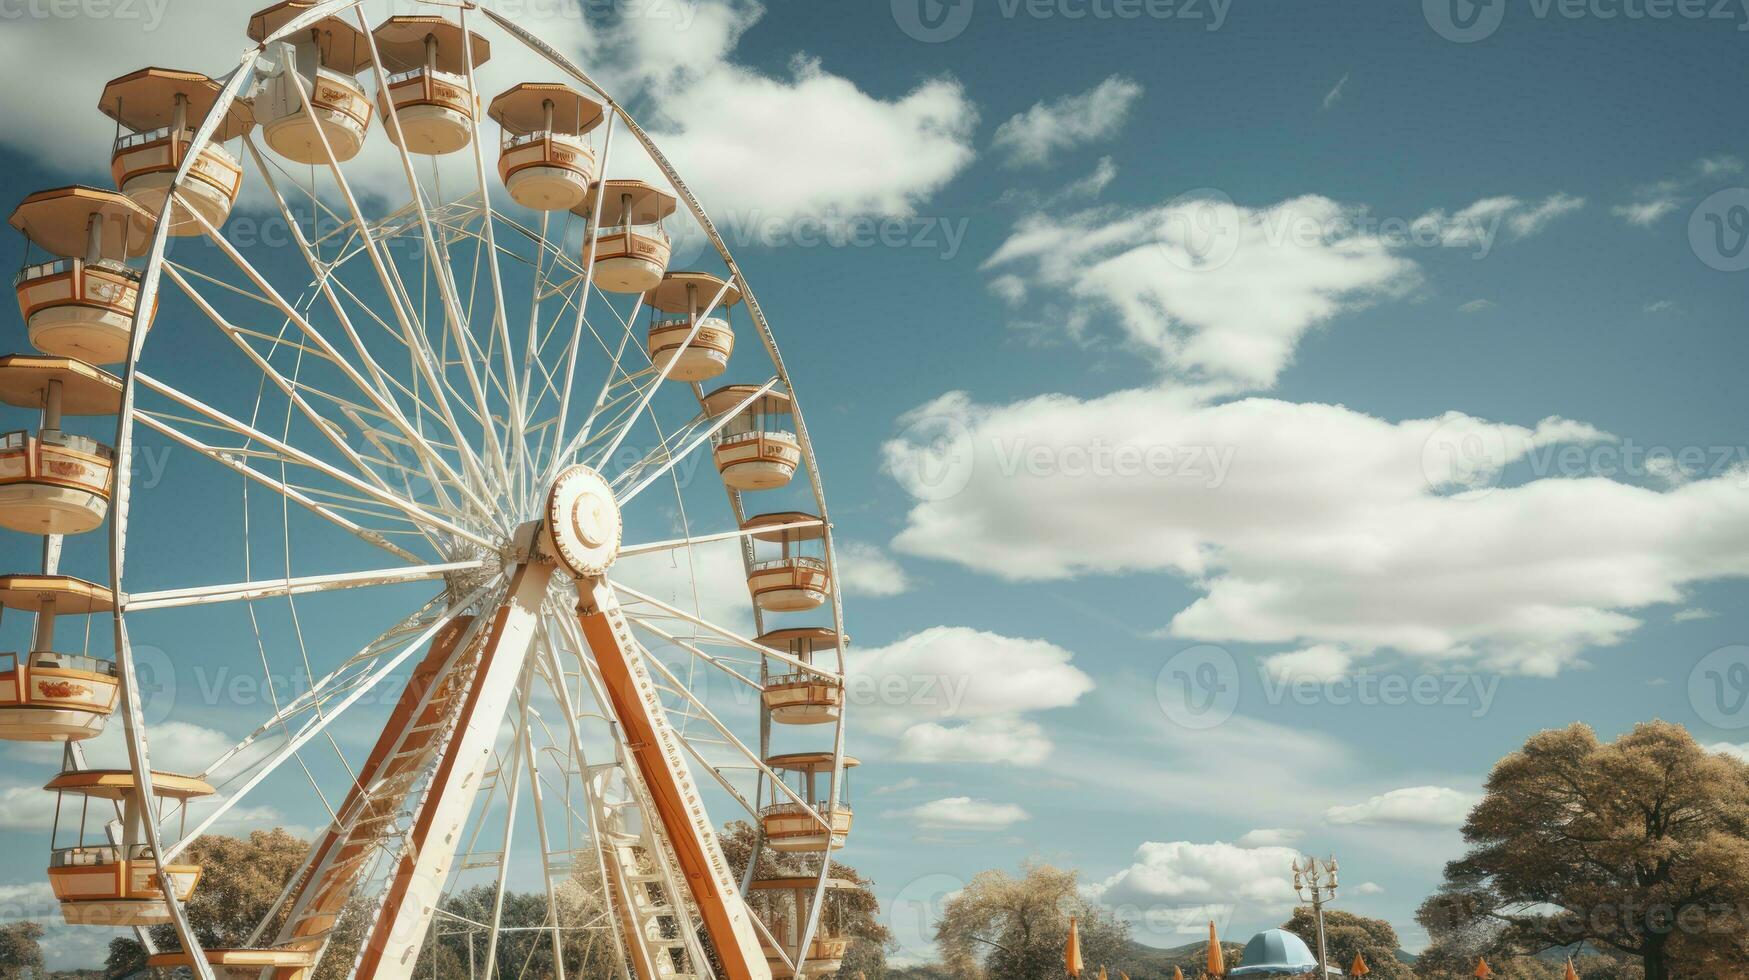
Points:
(902, 786)
(1010, 289)
(1213, 288)
(985, 741)
(1740, 752)
(1718, 166)
(1184, 881)
(1367, 888)
(1660, 306)
(1104, 172)
(963, 813)
(714, 572)
(1422, 806)
(1335, 94)
(1477, 306)
(28, 807)
(1313, 524)
(953, 694)
(1033, 137)
(864, 569)
(1478, 225)
(1691, 615)
(1271, 837)
(1317, 664)
(1645, 213)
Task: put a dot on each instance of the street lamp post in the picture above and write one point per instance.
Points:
(1315, 882)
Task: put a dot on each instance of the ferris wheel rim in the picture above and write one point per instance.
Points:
(132, 379)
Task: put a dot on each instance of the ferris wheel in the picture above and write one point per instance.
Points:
(433, 452)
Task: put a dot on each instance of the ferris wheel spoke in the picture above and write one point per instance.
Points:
(724, 633)
(388, 278)
(378, 390)
(500, 317)
(303, 585)
(412, 510)
(288, 387)
(662, 376)
(390, 412)
(716, 662)
(591, 235)
(457, 325)
(326, 718)
(674, 458)
(674, 544)
(226, 459)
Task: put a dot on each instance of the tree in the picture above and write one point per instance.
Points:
(1639, 846)
(1346, 934)
(857, 909)
(21, 952)
(239, 882)
(1010, 928)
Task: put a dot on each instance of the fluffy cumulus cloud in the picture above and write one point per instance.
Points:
(962, 813)
(1213, 288)
(1270, 837)
(1317, 526)
(954, 694)
(1034, 137)
(1179, 885)
(866, 570)
(755, 145)
(1413, 806)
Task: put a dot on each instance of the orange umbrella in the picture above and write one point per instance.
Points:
(1572, 974)
(1072, 953)
(1217, 963)
(1482, 971)
(1177, 974)
(1359, 969)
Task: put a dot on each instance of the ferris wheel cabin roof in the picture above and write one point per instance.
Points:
(344, 47)
(724, 399)
(815, 762)
(815, 530)
(117, 784)
(57, 220)
(70, 596)
(647, 203)
(146, 100)
(523, 109)
(85, 390)
(674, 293)
(401, 44)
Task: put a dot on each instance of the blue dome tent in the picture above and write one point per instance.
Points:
(1278, 953)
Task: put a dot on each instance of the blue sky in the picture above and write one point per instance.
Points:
(1233, 345)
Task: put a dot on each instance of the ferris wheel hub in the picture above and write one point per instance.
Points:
(582, 527)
